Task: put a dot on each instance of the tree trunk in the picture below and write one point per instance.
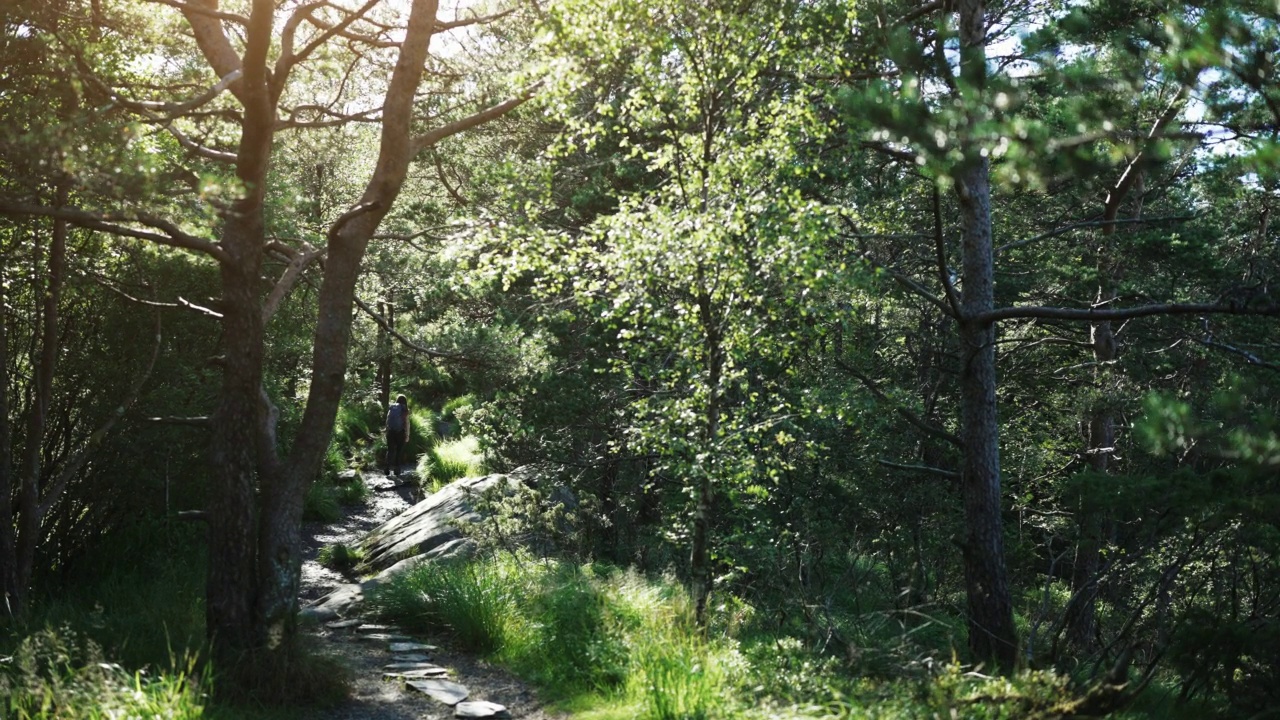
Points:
(992, 636)
(9, 595)
(700, 554)
(384, 354)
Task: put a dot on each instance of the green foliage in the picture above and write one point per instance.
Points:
(138, 595)
(57, 675)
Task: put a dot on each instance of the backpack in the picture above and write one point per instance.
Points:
(395, 418)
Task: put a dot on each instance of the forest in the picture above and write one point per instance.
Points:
(867, 358)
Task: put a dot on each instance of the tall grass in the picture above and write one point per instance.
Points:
(477, 605)
(55, 675)
(451, 460)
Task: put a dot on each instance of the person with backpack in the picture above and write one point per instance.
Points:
(397, 433)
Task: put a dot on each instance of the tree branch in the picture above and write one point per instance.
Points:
(426, 140)
(1092, 314)
(298, 263)
(404, 340)
(949, 474)
(906, 414)
(173, 237)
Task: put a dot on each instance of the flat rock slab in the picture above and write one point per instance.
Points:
(410, 658)
(410, 647)
(445, 691)
(343, 624)
(403, 666)
(480, 709)
(385, 637)
(416, 674)
(370, 628)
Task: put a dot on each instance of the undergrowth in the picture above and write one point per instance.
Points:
(603, 642)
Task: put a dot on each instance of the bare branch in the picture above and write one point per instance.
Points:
(297, 264)
(944, 274)
(173, 236)
(473, 20)
(1249, 357)
(199, 9)
(429, 139)
(175, 420)
(949, 474)
(382, 323)
(199, 308)
(1094, 314)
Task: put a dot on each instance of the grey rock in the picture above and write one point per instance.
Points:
(408, 666)
(480, 709)
(410, 658)
(343, 624)
(410, 647)
(385, 637)
(370, 628)
(433, 522)
(415, 674)
(350, 476)
(445, 691)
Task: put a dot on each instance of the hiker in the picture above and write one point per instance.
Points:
(397, 433)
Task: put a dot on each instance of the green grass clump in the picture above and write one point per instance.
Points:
(340, 557)
(476, 604)
(56, 675)
(321, 503)
(453, 459)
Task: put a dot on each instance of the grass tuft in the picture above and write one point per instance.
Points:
(340, 557)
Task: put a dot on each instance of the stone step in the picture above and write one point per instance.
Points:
(410, 647)
(371, 628)
(416, 674)
(385, 637)
(402, 666)
(343, 624)
(445, 691)
(480, 709)
(410, 658)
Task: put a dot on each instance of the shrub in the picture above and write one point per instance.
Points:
(56, 675)
(577, 621)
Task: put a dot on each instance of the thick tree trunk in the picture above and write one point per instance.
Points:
(992, 636)
(236, 449)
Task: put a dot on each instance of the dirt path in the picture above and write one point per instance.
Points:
(375, 698)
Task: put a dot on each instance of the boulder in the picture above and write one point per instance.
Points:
(425, 532)
(431, 527)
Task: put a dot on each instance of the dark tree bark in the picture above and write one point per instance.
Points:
(992, 636)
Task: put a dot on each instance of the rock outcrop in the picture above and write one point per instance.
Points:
(427, 531)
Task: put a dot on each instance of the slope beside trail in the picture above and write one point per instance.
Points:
(367, 653)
